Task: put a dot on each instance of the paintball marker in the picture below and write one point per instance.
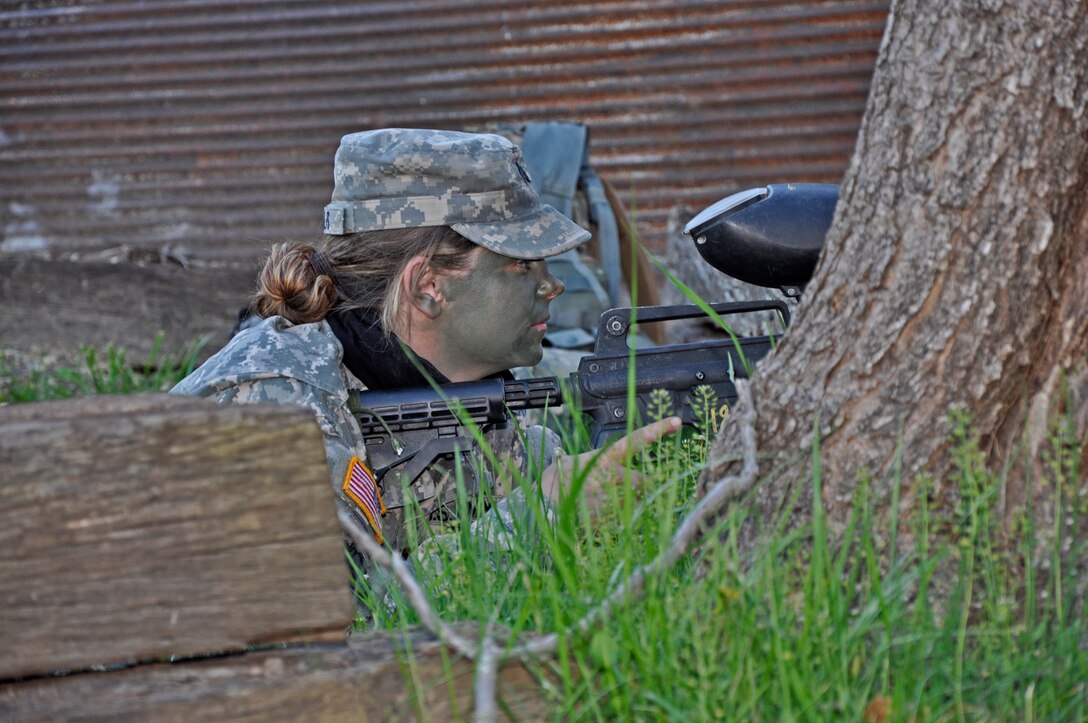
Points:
(769, 236)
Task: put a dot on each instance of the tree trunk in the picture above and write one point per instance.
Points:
(955, 274)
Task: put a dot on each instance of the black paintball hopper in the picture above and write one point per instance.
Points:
(769, 236)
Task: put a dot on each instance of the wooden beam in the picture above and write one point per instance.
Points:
(139, 528)
(369, 678)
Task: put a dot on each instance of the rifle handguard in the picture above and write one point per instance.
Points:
(436, 415)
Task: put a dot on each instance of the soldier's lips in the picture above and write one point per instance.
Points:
(541, 325)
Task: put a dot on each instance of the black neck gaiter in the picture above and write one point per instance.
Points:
(377, 360)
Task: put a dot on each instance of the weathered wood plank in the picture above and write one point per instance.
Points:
(362, 680)
(52, 307)
(134, 528)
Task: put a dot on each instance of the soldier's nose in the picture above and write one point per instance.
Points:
(550, 288)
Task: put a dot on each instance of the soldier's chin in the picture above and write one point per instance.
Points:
(530, 359)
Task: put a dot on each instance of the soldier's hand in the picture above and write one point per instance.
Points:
(606, 467)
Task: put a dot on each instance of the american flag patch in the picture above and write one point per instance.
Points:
(360, 486)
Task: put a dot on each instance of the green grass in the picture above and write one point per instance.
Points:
(957, 626)
(111, 373)
(960, 625)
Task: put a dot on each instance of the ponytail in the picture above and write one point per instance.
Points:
(290, 286)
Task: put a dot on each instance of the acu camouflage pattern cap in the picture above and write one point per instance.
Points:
(475, 183)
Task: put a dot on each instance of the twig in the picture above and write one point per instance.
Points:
(487, 670)
(416, 597)
(487, 655)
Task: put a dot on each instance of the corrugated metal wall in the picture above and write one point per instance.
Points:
(211, 125)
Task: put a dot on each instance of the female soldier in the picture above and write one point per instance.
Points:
(435, 240)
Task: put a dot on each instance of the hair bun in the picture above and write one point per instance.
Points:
(291, 286)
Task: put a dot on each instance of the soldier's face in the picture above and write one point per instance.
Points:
(496, 313)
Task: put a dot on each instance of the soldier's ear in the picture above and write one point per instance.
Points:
(419, 287)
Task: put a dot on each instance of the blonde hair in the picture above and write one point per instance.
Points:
(366, 268)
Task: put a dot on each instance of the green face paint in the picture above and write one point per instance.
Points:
(496, 314)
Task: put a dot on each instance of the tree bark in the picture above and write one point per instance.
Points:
(955, 274)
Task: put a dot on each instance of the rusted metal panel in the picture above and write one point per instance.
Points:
(211, 125)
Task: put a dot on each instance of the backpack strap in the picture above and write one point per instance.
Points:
(608, 237)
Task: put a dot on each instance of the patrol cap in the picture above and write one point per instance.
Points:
(476, 183)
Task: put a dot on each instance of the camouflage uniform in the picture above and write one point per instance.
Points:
(399, 178)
